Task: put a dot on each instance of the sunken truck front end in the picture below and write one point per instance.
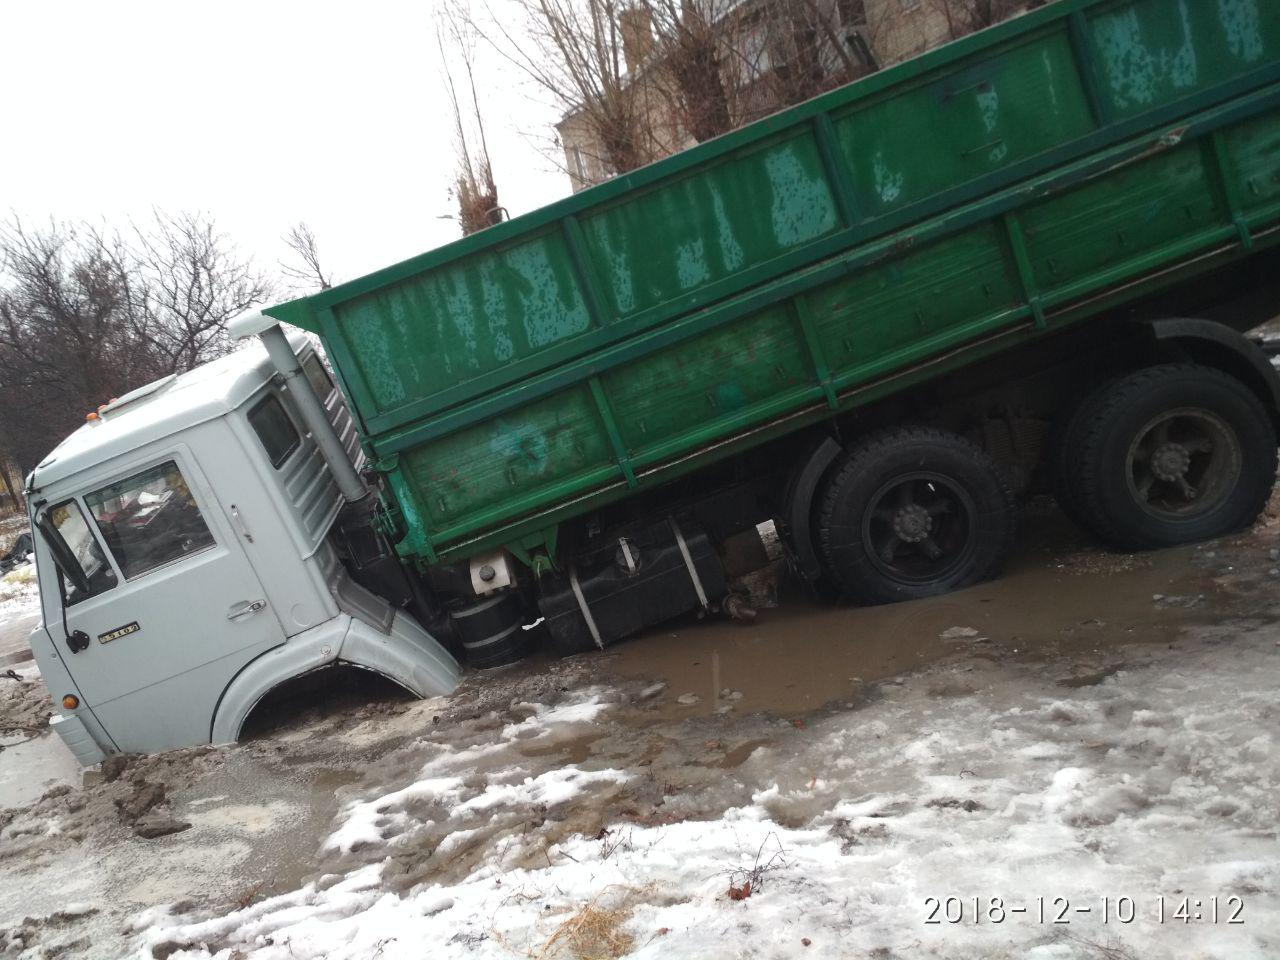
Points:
(190, 559)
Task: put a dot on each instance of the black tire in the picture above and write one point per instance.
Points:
(1174, 454)
(1063, 454)
(912, 513)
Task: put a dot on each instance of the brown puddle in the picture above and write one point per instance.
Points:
(738, 755)
(574, 750)
(1058, 596)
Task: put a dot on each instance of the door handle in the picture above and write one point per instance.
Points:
(239, 522)
(245, 608)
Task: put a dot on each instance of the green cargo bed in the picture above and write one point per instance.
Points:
(1001, 187)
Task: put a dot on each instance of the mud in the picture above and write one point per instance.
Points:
(1050, 603)
(24, 705)
(260, 812)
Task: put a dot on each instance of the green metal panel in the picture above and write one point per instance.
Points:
(1152, 52)
(806, 264)
(880, 315)
(509, 457)
(411, 341)
(691, 387)
(1133, 211)
(973, 120)
(1254, 148)
(716, 223)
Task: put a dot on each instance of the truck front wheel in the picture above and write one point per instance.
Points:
(914, 513)
(1173, 454)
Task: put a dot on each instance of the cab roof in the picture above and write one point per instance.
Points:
(161, 409)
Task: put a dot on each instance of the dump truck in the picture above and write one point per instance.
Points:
(846, 340)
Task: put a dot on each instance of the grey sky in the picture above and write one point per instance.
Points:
(260, 113)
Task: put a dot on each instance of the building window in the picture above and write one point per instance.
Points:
(575, 164)
(853, 13)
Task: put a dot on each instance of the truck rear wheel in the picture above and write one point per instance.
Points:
(1173, 454)
(914, 513)
(1063, 453)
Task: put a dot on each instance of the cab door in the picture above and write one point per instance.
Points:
(167, 606)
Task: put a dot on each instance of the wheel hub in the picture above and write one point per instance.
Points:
(1170, 462)
(912, 523)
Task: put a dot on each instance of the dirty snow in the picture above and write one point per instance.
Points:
(1161, 779)
(442, 783)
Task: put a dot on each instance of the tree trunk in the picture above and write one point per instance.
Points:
(702, 94)
(7, 478)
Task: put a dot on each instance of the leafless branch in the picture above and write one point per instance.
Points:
(87, 313)
(306, 273)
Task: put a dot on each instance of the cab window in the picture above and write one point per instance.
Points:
(69, 522)
(318, 376)
(274, 429)
(149, 520)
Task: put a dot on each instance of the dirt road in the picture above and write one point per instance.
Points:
(716, 789)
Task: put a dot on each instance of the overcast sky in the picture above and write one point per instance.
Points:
(260, 112)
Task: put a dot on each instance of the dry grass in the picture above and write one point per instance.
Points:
(593, 932)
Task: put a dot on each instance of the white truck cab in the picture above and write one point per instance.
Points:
(187, 564)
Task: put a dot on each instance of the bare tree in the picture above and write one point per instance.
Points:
(692, 46)
(806, 47)
(475, 190)
(967, 16)
(306, 272)
(11, 486)
(87, 314)
(186, 282)
(574, 51)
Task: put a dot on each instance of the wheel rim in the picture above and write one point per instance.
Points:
(1183, 464)
(918, 528)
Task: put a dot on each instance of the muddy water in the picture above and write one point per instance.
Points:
(1058, 596)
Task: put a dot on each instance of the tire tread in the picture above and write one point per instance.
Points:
(1103, 410)
(867, 451)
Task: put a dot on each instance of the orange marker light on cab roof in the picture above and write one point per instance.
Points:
(70, 702)
(90, 417)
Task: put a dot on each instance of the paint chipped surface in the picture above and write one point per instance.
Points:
(1154, 53)
(1242, 21)
(802, 205)
(888, 183)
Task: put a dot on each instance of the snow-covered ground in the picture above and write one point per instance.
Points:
(1160, 781)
